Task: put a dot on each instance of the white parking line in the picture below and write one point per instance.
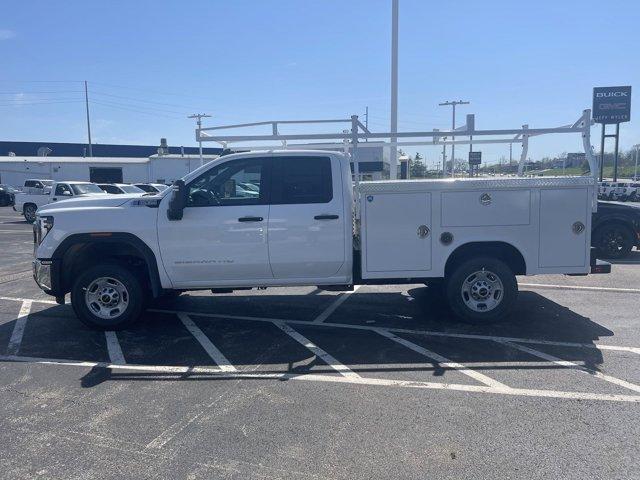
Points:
(113, 347)
(326, 357)
(443, 361)
(213, 351)
(582, 368)
(356, 380)
(469, 336)
(546, 286)
(335, 304)
(18, 329)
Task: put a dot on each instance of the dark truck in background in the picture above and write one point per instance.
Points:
(615, 229)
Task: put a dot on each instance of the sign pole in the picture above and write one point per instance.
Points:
(602, 153)
(615, 155)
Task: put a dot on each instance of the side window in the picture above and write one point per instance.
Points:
(299, 180)
(63, 189)
(237, 182)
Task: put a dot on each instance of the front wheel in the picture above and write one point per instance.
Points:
(108, 297)
(481, 290)
(29, 212)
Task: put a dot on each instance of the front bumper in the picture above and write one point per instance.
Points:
(46, 273)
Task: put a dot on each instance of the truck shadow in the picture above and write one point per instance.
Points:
(259, 346)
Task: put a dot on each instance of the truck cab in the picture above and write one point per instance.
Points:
(293, 218)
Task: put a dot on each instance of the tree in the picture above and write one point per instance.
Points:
(417, 168)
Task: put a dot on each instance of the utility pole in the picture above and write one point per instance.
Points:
(453, 127)
(444, 158)
(510, 153)
(199, 117)
(86, 103)
(393, 167)
(366, 120)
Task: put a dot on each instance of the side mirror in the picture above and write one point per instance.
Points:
(178, 201)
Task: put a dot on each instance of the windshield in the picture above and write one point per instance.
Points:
(130, 189)
(85, 188)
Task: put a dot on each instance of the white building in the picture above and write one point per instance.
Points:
(156, 169)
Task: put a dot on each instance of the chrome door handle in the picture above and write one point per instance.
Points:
(326, 217)
(250, 219)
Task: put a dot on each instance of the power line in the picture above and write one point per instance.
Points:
(95, 102)
(142, 101)
(140, 107)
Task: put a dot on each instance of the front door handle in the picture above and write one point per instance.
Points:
(250, 219)
(326, 217)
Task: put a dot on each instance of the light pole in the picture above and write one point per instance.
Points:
(199, 117)
(393, 167)
(86, 103)
(453, 127)
(635, 171)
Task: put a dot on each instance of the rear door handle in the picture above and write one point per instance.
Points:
(250, 219)
(326, 217)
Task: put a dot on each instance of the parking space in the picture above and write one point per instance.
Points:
(296, 383)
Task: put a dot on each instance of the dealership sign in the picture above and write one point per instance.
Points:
(612, 104)
(475, 158)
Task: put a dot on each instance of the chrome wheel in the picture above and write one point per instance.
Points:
(482, 291)
(106, 297)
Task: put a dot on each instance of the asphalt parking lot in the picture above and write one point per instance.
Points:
(301, 383)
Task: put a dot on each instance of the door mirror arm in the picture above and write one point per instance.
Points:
(178, 201)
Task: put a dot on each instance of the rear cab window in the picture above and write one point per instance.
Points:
(301, 180)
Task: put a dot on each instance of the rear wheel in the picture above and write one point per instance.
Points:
(613, 241)
(29, 212)
(481, 290)
(108, 297)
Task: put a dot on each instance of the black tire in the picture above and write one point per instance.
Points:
(613, 240)
(29, 212)
(500, 299)
(86, 309)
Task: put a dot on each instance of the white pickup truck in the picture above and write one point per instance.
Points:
(28, 203)
(308, 225)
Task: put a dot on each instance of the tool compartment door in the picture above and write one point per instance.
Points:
(564, 227)
(395, 244)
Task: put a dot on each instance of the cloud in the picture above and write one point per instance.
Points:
(6, 34)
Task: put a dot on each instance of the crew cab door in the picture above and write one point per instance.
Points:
(306, 220)
(222, 237)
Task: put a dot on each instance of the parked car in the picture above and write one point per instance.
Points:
(7, 195)
(616, 229)
(151, 187)
(120, 188)
(309, 225)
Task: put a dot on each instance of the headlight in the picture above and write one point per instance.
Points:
(45, 224)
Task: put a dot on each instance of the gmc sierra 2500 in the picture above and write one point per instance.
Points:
(298, 220)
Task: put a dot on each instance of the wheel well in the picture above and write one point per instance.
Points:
(84, 252)
(501, 250)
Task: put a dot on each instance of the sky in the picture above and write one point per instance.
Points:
(149, 64)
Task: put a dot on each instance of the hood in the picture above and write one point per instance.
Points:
(90, 201)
